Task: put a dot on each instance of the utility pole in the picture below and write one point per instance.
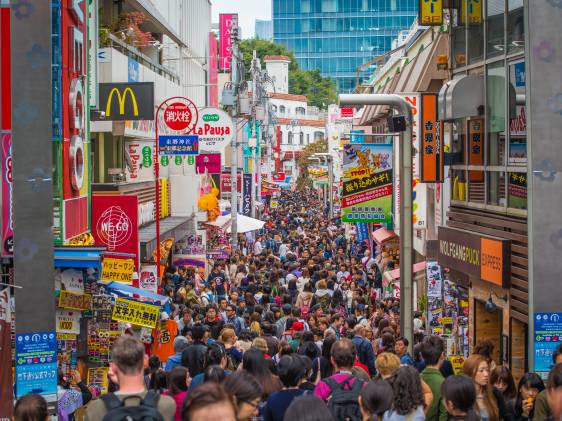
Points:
(235, 80)
(255, 101)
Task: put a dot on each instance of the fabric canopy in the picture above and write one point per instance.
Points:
(244, 223)
(395, 274)
(383, 235)
(128, 289)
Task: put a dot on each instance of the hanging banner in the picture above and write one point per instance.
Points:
(367, 183)
(140, 314)
(36, 364)
(148, 279)
(7, 216)
(476, 149)
(362, 231)
(117, 270)
(74, 301)
(6, 382)
(247, 194)
(225, 29)
(115, 223)
(431, 143)
(430, 12)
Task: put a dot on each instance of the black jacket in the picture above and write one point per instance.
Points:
(193, 358)
(505, 413)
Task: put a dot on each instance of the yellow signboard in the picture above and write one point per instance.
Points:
(474, 12)
(117, 270)
(430, 12)
(75, 301)
(457, 361)
(140, 314)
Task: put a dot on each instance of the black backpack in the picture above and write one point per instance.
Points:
(344, 398)
(146, 410)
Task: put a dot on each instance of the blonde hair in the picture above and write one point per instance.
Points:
(387, 363)
(321, 284)
(255, 327)
(261, 344)
(227, 334)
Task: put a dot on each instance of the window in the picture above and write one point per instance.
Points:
(515, 27)
(290, 138)
(318, 136)
(301, 138)
(475, 29)
(495, 26)
(282, 109)
(495, 104)
(273, 108)
(281, 136)
(308, 138)
(300, 111)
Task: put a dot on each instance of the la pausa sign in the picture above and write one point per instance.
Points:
(215, 130)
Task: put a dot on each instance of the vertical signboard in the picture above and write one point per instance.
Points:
(5, 69)
(6, 382)
(213, 71)
(93, 36)
(7, 216)
(474, 12)
(367, 183)
(431, 142)
(36, 364)
(225, 28)
(476, 148)
(547, 337)
(247, 194)
(430, 12)
(115, 223)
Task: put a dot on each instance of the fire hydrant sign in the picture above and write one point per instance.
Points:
(117, 270)
(140, 314)
(215, 130)
(178, 116)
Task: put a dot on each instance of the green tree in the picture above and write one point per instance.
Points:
(320, 146)
(319, 90)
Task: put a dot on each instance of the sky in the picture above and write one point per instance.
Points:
(248, 11)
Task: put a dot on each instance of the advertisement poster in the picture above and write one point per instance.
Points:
(247, 194)
(7, 217)
(36, 364)
(548, 335)
(6, 390)
(208, 163)
(225, 28)
(367, 183)
(140, 314)
(517, 189)
(148, 280)
(68, 321)
(434, 298)
(115, 223)
(117, 270)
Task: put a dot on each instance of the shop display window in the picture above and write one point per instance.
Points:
(495, 28)
(515, 27)
(496, 188)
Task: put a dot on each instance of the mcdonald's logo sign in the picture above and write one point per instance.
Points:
(126, 101)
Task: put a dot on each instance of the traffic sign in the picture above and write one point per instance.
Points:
(178, 145)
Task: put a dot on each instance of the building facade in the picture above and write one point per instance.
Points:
(337, 36)
(264, 29)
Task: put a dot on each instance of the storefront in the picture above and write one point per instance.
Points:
(486, 262)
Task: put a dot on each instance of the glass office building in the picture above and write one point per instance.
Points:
(337, 36)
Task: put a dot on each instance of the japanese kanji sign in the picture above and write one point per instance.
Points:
(75, 301)
(178, 145)
(430, 12)
(367, 183)
(136, 313)
(476, 145)
(117, 270)
(431, 141)
(36, 363)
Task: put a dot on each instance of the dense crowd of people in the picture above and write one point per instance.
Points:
(293, 327)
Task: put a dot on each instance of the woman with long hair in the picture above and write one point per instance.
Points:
(459, 397)
(375, 399)
(490, 404)
(179, 381)
(502, 379)
(523, 406)
(322, 366)
(408, 396)
(247, 393)
(255, 363)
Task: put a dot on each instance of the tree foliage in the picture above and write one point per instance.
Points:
(319, 90)
(320, 146)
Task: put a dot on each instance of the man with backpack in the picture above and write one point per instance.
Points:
(365, 352)
(341, 390)
(132, 402)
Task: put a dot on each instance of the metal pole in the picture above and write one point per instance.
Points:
(406, 226)
(234, 163)
(330, 186)
(255, 94)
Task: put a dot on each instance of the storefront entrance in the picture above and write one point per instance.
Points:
(518, 349)
(488, 326)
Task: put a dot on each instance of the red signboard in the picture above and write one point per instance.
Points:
(226, 183)
(346, 112)
(213, 71)
(177, 116)
(208, 162)
(280, 176)
(225, 28)
(5, 74)
(115, 223)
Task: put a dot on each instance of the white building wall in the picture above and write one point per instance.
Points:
(278, 70)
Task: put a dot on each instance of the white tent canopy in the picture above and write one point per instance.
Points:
(244, 223)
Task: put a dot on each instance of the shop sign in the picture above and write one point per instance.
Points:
(126, 101)
(218, 254)
(430, 12)
(115, 223)
(68, 322)
(6, 381)
(146, 213)
(367, 183)
(247, 194)
(457, 361)
(547, 337)
(431, 142)
(476, 145)
(178, 145)
(148, 279)
(197, 262)
(117, 270)
(7, 216)
(208, 163)
(226, 182)
(36, 363)
(346, 112)
(140, 314)
(226, 21)
(74, 301)
(215, 129)
(486, 258)
(474, 12)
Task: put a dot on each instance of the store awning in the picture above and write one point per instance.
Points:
(243, 223)
(382, 235)
(127, 289)
(395, 274)
(173, 227)
(78, 257)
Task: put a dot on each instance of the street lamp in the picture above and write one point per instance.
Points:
(406, 226)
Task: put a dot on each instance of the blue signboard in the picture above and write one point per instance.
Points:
(36, 363)
(247, 194)
(357, 136)
(362, 231)
(520, 74)
(548, 334)
(178, 145)
(132, 70)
